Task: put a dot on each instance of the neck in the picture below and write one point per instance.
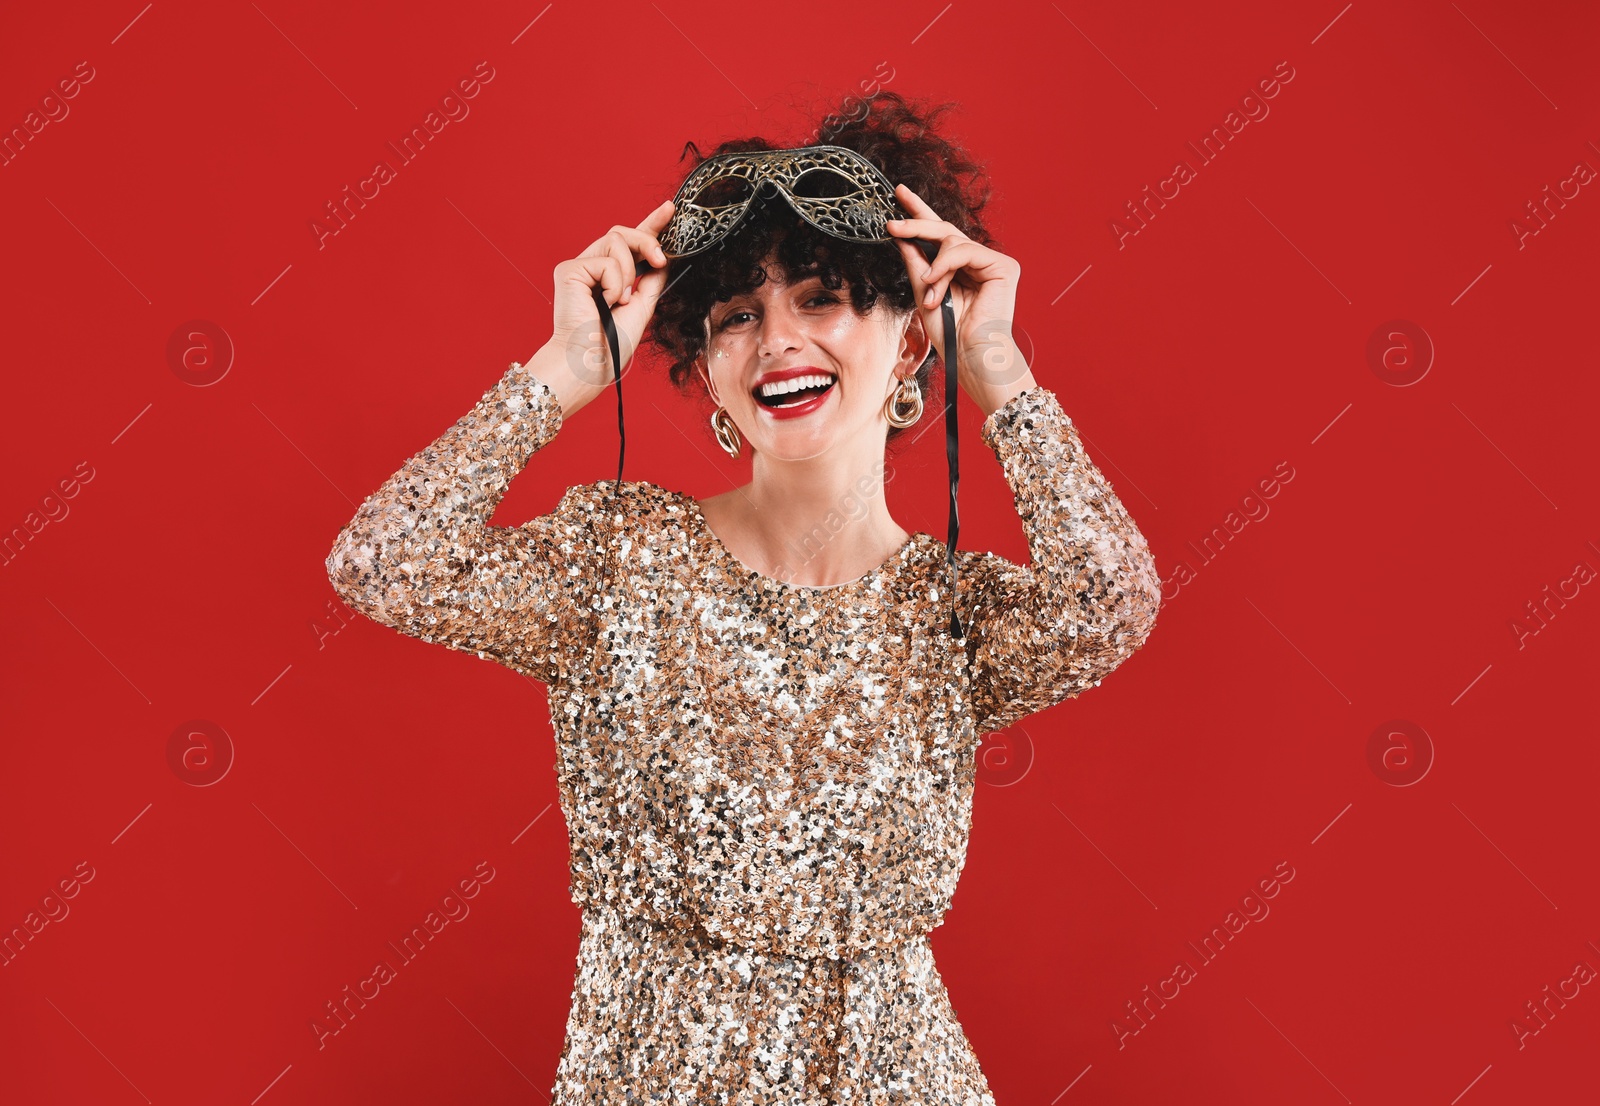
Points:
(811, 523)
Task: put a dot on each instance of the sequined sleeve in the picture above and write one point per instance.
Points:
(421, 557)
(1053, 629)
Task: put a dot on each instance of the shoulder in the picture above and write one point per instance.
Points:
(967, 560)
(982, 572)
(629, 507)
(978, 572)
(627, 496)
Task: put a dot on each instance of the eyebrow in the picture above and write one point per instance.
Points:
(737, 296)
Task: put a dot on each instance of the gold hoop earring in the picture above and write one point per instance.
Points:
(891, 406)
(727, 433)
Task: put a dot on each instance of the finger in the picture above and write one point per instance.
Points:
(630, 245)
(652, 226)
(634, 238)
(643, 242)
(653, 283)
(655, 222)
(916, 266)
(936, 276)
(652, 275)
(618, 249)
(937, 289)
(981, 263)
(932, 229)
(606, 272)
(952, 257)
(915, 203)
(940, 233)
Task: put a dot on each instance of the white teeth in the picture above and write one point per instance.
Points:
(781, 387)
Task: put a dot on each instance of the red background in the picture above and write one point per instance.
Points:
(1223, 344)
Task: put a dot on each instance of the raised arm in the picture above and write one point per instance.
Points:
(421, 557)
(1051, 630)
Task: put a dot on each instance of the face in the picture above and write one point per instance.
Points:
(807, 325)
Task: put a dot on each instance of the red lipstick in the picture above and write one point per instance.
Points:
(794, 408)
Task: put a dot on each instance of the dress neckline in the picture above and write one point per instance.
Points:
(724, 554)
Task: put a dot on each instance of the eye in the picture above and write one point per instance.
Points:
(729, 319)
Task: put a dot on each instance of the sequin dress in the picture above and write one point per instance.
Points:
(767, 787)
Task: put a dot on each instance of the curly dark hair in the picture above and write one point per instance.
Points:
(896, 134)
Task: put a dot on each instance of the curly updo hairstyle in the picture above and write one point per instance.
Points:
(898, 136)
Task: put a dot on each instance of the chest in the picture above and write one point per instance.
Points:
(783, 687)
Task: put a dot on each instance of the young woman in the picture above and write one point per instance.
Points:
(766, 730)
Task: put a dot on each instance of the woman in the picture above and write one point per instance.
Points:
(766, 734)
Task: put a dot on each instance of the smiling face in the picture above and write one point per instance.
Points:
(851, 365)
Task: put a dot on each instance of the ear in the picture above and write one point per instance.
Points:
(914, 345)
(700, 366)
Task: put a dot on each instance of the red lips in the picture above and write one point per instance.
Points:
(772, 375)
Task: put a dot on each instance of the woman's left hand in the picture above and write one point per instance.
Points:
(983, 290)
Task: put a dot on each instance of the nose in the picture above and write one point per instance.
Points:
(780, 328)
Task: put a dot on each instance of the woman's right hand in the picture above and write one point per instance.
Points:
(610, 262)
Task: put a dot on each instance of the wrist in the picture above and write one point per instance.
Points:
(561, 364)
(996, 396)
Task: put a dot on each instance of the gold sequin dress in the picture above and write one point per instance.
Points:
(767, 787)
